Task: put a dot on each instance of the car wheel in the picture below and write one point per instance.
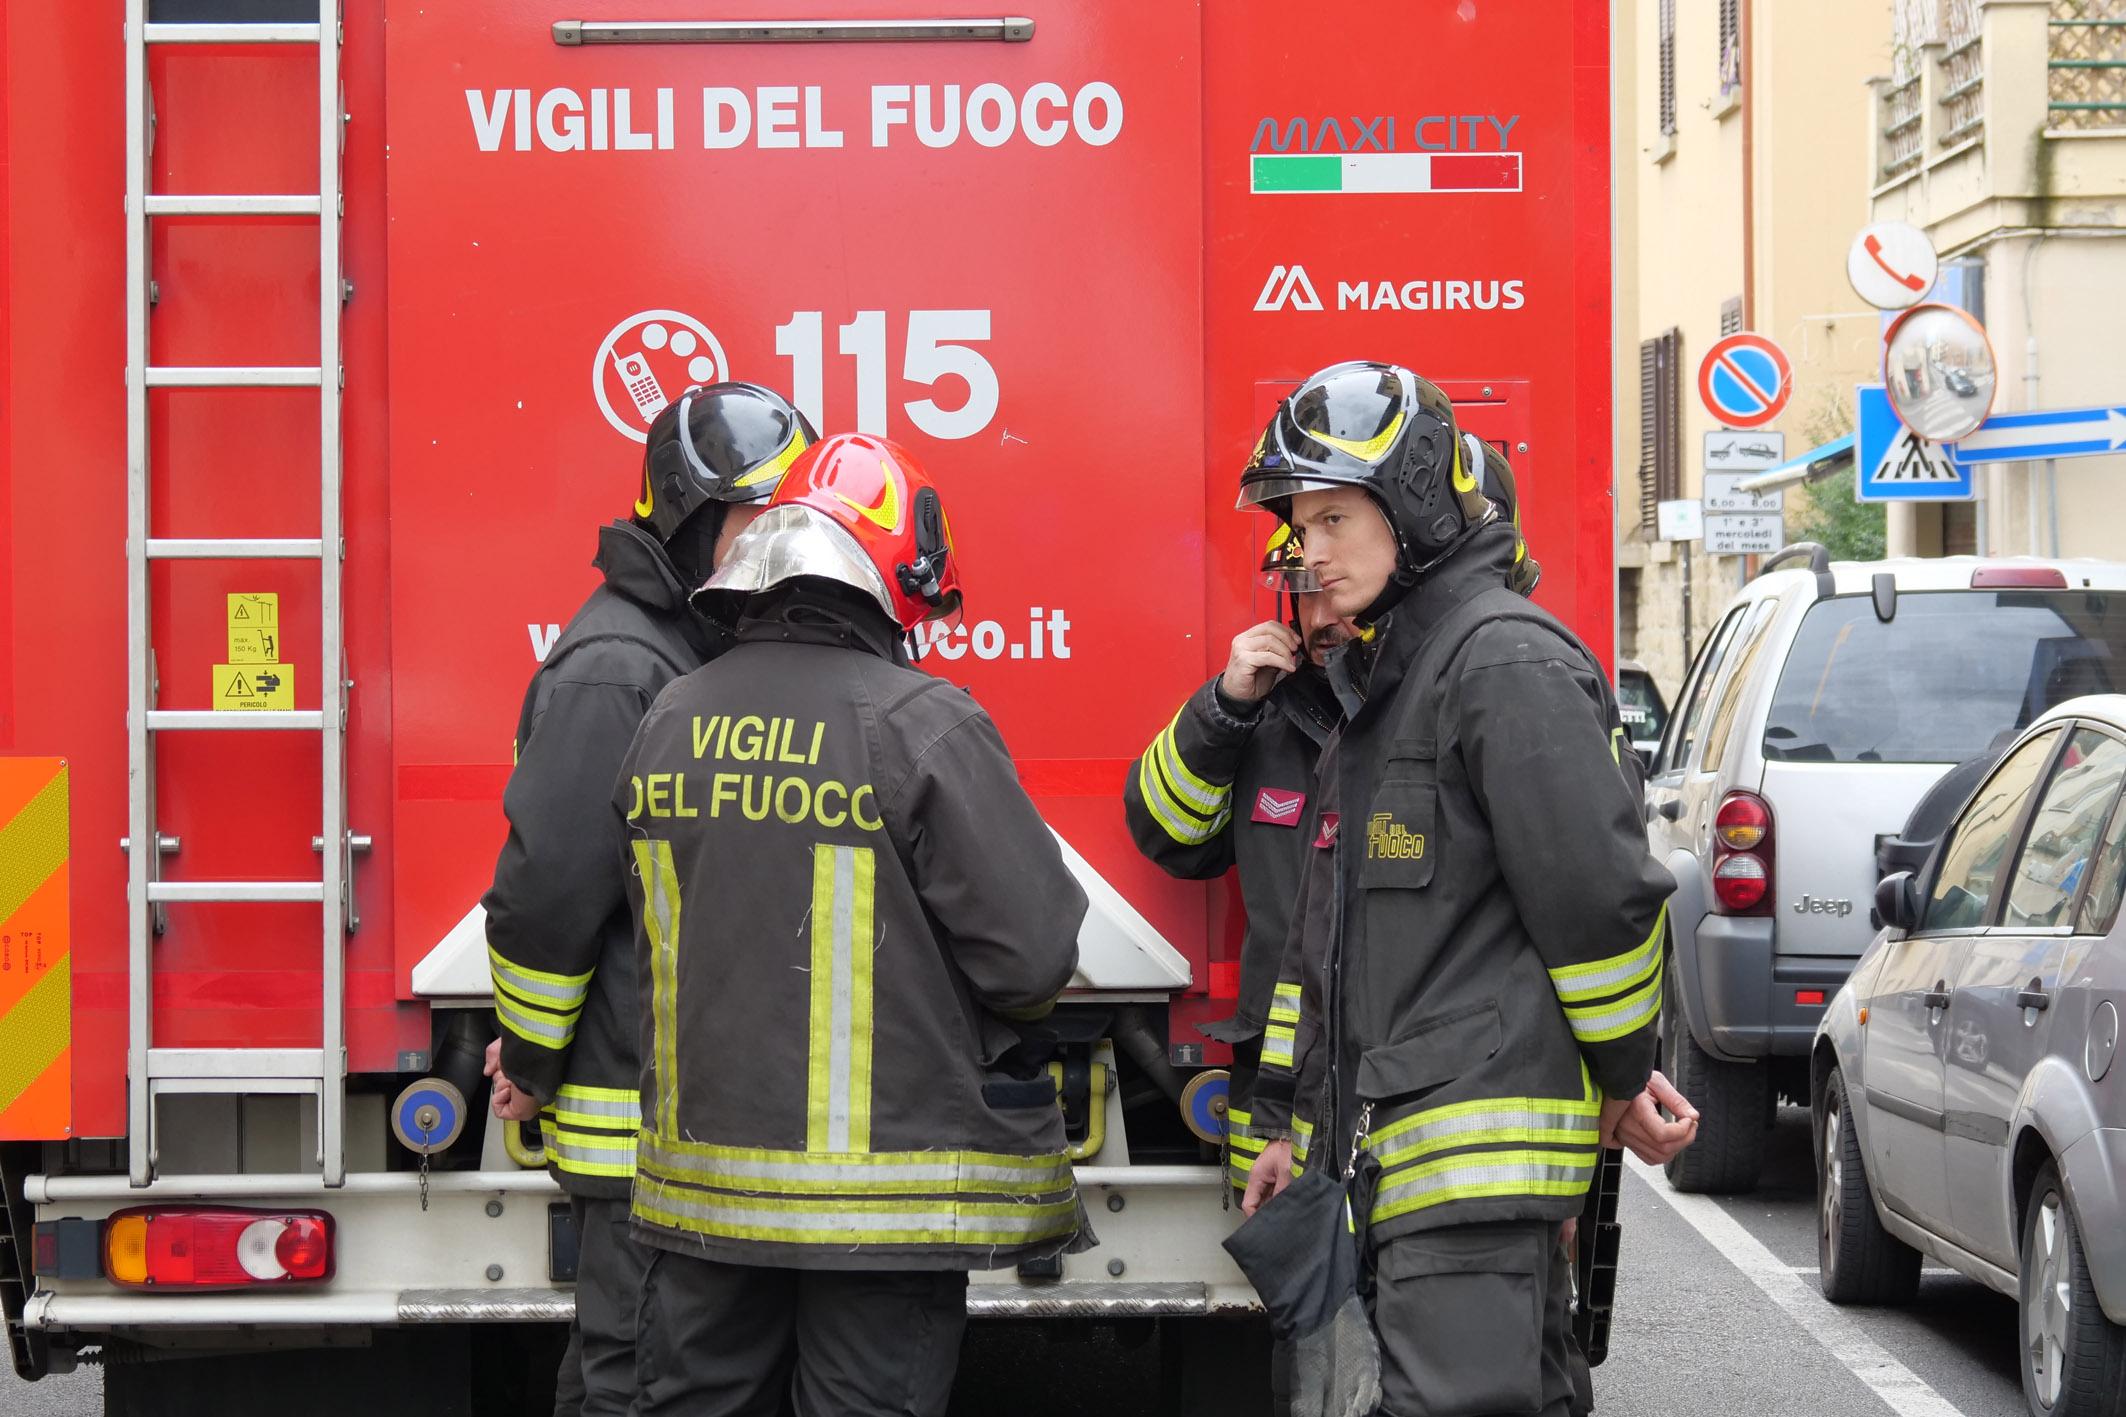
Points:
(2074, 1359)
(1858, 1261)
(1733, 1101)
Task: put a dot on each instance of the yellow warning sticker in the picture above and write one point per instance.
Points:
(255, 629)
(254, 686)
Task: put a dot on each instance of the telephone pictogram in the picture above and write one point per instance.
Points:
(1909, 282)
(642, 385)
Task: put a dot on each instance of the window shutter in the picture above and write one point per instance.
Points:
(1731, 317)
(1730, 45)
(1668, 66)
(1668, 420)
(1649, 418)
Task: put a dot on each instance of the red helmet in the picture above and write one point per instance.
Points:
(860, 510)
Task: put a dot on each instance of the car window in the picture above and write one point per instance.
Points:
(1949, 673)
(2100, 903)
(2063, 831)
(1639, 704)
(1683, 732)
(1961, 897)
(1749, 646)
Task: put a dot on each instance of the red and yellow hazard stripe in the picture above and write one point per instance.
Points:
(36, 1024)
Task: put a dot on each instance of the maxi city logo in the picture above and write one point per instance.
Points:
(1435, 153)
(1291, 288)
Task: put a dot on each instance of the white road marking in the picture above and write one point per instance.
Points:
(1902, 1390)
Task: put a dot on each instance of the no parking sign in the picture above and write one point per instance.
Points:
(1745, 381)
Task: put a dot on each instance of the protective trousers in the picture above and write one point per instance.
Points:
(597, 1377)
(725, 1340)
(1474, 1322)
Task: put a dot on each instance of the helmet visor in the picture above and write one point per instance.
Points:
(782, 544)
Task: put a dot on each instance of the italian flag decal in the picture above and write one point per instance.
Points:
(1385, 172)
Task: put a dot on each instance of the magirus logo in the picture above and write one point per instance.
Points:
(1291, 288)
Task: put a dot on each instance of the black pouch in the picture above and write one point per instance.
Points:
(1397, 837)
(1301, 1252)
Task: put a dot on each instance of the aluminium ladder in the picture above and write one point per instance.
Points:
(152, 1072)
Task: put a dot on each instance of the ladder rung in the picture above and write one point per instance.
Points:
(243, 205)
(233, 548)
(234, 721)
(249, 1064)
(235, 376)
(229, 34)
(247, 891)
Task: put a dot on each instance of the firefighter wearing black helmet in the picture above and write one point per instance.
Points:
(1488, 926)
(560, 944)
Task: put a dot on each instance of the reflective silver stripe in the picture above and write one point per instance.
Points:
(1277, 1043)
(625, 1111)
(1192, 790)
(1602, 1023)
(1473, 1175)
(740, 1168)
(1514, 1124)
(581, 1147)
(1578, 983)
(538, 1029)
(838, 1045)
(1170, 814)
(560, 996)
(926, 1222)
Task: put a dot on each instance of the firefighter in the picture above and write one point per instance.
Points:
(560, 945)
(1488, 928)
(850, 919)
(1225, 784)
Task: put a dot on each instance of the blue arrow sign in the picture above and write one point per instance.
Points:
(2045, 433)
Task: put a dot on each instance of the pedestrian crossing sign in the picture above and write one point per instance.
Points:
(1897, 465)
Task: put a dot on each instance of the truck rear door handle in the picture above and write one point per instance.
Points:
(2033, 998)
(1937, 997)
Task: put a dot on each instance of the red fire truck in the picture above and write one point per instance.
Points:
(328, 340)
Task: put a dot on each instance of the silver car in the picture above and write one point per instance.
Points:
(1966, 1099)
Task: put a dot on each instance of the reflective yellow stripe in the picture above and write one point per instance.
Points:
(838, 1069)
(761, 1170)
(1203, 796)
(544, 1031)
(1302, 1137)
(559, 992)
(1599, 1023)
(588, 1153)
(853, 1223)
(1174, 819)
(1480, 1113)
(1277, 1042)
(660, 922)
(1482, 1173)
(534, 1008)
(1578, 983)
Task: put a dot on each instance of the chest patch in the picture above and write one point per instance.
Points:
(1326, 837)
(1278, 809)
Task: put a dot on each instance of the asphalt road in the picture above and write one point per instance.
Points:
(1720, 1315)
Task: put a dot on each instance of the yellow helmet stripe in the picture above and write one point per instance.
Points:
(773, 469)
(1463, 482)
(1365, 450)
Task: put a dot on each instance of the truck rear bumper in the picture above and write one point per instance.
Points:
(1752, 995)
(398, 1264)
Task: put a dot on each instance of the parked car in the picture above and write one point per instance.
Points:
(1645, 712)
(1966, 1099)
(1826, 702)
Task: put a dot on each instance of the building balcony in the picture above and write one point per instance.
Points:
(2002, 114)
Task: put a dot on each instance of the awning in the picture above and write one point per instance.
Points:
(1813, 464)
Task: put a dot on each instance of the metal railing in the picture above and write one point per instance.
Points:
(2086, 63)
(1963, 74)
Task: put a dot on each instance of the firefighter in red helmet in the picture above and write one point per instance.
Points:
(848, 914)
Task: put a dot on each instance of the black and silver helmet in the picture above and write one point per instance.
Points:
(720, 443)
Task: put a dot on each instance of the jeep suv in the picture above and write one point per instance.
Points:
(1828, 699)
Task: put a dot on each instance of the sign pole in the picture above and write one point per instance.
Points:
(1686, 609)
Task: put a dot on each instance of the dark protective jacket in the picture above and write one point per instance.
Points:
(843, 900)
(559, 943)
(1488, 965)
(1228, 785)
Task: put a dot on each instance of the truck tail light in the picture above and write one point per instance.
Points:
(188, 1248)
(1742, 863)
(2018, 578)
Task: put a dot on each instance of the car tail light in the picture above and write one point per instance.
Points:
(180, 1247)
(2018, 577)
(1742, 861)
